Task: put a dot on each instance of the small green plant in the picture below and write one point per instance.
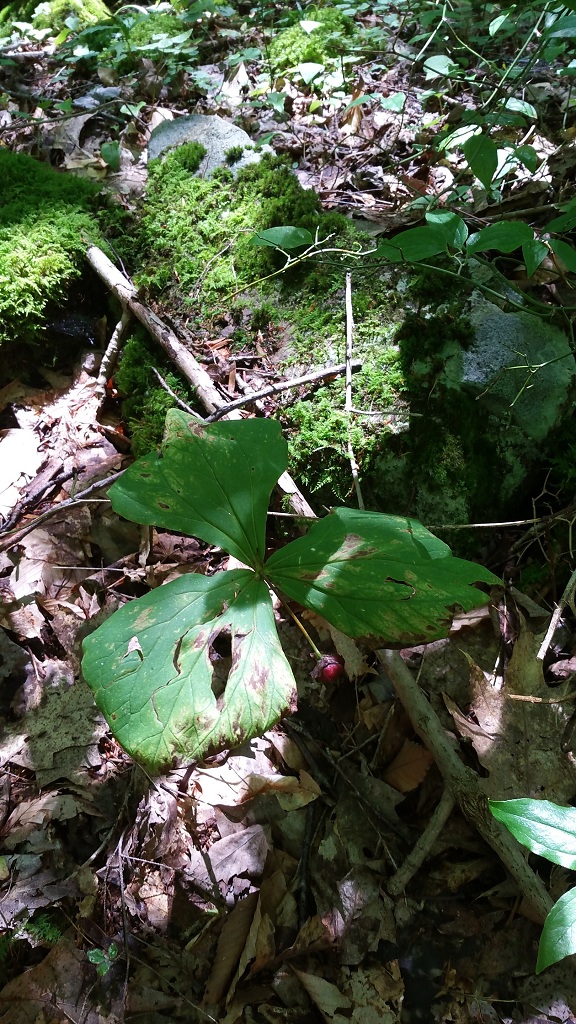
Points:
(550, 831)
(375, 577)
(103, 958)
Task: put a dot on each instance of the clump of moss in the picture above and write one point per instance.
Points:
(53, 14)
(146, 403)
(195, 233)
(45, 225)
(234, 154)
(296, 46)
(189, 155)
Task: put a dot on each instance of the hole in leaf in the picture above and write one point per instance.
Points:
(220, 654)
(162, 504)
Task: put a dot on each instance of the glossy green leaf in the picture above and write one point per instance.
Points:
(377, 578)
(497, 23)
(309, 71)
(283, 238)
(566, 253)
(277, 101)
(151, 669)
(533, 252)
(110, 153)
(545, 828)
(562, 28)
(566, 220)
(413, 245)
(394, 102)
(528, 156)
(558, 937)
(450, 225)
(209, 481)
(504, 235)
(440, 66)
(521, 107)
(482, 158)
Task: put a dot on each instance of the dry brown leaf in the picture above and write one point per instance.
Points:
(230, 945)
(409, 767)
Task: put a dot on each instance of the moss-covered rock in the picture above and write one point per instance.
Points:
(146, 403)
(53, 13)
(295, 45)
(45, 226)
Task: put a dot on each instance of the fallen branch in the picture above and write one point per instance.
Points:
(464, 784)
(284, 385)
(189, 367)
(128, 296)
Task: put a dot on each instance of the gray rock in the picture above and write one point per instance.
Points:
(519, 367)
(216, 135)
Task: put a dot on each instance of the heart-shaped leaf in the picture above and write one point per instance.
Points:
(286, 237)
(377, 577)
(151, 668)
(208, 481)
(558, 937)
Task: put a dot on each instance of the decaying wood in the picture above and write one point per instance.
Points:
(127, 294)
(465, 785)
(189, 367)
(284, 385)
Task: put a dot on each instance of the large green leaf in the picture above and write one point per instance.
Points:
(377, 577)
(482, 158)
(558, 937)
(413, 245)
(450, 225)
(283, 238)
(545, 828)
(212, 482)
(150, 667)
(504, 235)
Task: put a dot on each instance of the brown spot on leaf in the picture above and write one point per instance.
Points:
(162, 504)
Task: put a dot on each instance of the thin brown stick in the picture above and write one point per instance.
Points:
(348, 400)
(464, 784)
(284, 385)
(189, 367)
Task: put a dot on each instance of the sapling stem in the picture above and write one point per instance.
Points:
(317, 654)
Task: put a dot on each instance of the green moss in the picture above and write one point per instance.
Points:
(194, 236)
(45, 226)
(234, 154)
(295, 46)
(53, 14)
(152, 26)
(146, 403)
(189, 156)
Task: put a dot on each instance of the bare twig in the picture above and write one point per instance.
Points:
(284, 385)
(421, 849)
(172, 394)
(110, 356)
(15, 536)
(566, 599)
(348, 400)
(464, 784)
(189, 367)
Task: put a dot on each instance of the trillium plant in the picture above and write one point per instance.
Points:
(377, 578)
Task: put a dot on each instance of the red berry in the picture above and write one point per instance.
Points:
(329, 668)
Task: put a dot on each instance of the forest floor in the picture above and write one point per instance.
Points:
(273, 882)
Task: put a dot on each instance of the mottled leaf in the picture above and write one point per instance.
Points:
(377, 577)
(151, 668)
(208, 481)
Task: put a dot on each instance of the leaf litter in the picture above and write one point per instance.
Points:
(258, 882)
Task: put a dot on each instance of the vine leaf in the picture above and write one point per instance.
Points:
(210, 482)
(378, 578)
(151, 669)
